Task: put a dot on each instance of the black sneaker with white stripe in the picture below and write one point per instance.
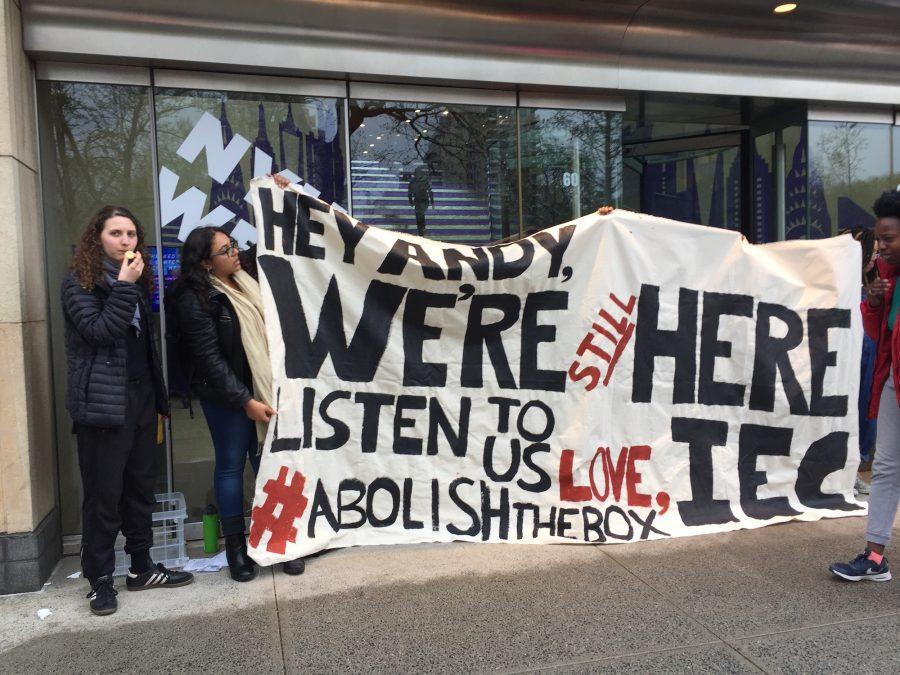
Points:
(103, 596)
(157, 577)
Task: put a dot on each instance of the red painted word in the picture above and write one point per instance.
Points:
(613, 334)
(615, 475)
(293, 504)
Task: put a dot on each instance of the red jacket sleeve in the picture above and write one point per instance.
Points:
(872, 318)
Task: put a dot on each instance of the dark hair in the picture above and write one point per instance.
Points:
(192, 274)
(887, 205)
(87, 263)
(866, 238)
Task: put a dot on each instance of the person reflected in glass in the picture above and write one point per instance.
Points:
(115, 392)
(421, 196)
(220, 317)
(880, 312)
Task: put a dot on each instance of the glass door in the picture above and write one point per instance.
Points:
(691, 180)
(213, 135)
(435, 162)
(571, 164)
(96, 142)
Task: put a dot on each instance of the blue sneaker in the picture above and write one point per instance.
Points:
(862, 568)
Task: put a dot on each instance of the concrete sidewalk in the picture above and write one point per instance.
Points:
(737, 602)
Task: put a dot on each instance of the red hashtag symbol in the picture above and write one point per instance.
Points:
(293, 504)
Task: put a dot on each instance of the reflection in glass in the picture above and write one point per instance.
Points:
(765, 223)
(693, 186)
(445, 172)
(300, 136)
(643, 130)
(850, 165)
(796, 187)
(571, 164)
(895, 159)
(95, 150)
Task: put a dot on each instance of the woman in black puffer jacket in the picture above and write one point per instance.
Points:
(218, 347)
(115, 391)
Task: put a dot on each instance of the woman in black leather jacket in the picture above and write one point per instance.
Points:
(221, 376)
(115, 391)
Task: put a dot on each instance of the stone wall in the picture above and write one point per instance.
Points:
(29, 519)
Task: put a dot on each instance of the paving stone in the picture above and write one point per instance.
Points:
(214, 614)
(711, 658)
(657, 606)
(503, 607)
(751, 582)
(865, 646)
(244, 640)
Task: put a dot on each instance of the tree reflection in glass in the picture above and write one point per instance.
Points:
(447, 172)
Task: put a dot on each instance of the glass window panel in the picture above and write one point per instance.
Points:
(850, 165)
(765, 226)
(693, 186)
(691, 110)
(95, 150)
(796, 202)
(262, 133)
(447, 172)
(571, 164)
(249, 134)
(632, 171)
(895, 160)
(640, 131)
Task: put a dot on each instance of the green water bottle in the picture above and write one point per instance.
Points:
(211, 530)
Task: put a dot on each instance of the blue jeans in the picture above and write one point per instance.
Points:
(234, 439)
(867, 428)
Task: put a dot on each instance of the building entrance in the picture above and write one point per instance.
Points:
(462, 165)
(719, 161)
(690, 181)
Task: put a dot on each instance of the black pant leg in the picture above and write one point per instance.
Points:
(102, 455)
(138, 500)
(420, 220)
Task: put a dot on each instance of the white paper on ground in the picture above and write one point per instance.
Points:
(43, 613)
(74, 575)
(214, 564)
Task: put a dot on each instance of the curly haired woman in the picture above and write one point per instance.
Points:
(115, 391)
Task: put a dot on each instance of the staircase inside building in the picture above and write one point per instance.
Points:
(458, 215)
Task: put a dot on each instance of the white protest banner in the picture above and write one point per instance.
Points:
(616, 378)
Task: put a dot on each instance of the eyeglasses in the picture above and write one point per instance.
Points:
(232, 246)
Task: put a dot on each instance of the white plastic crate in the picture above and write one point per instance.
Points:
(168, 535)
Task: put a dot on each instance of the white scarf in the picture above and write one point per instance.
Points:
(247, 303)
